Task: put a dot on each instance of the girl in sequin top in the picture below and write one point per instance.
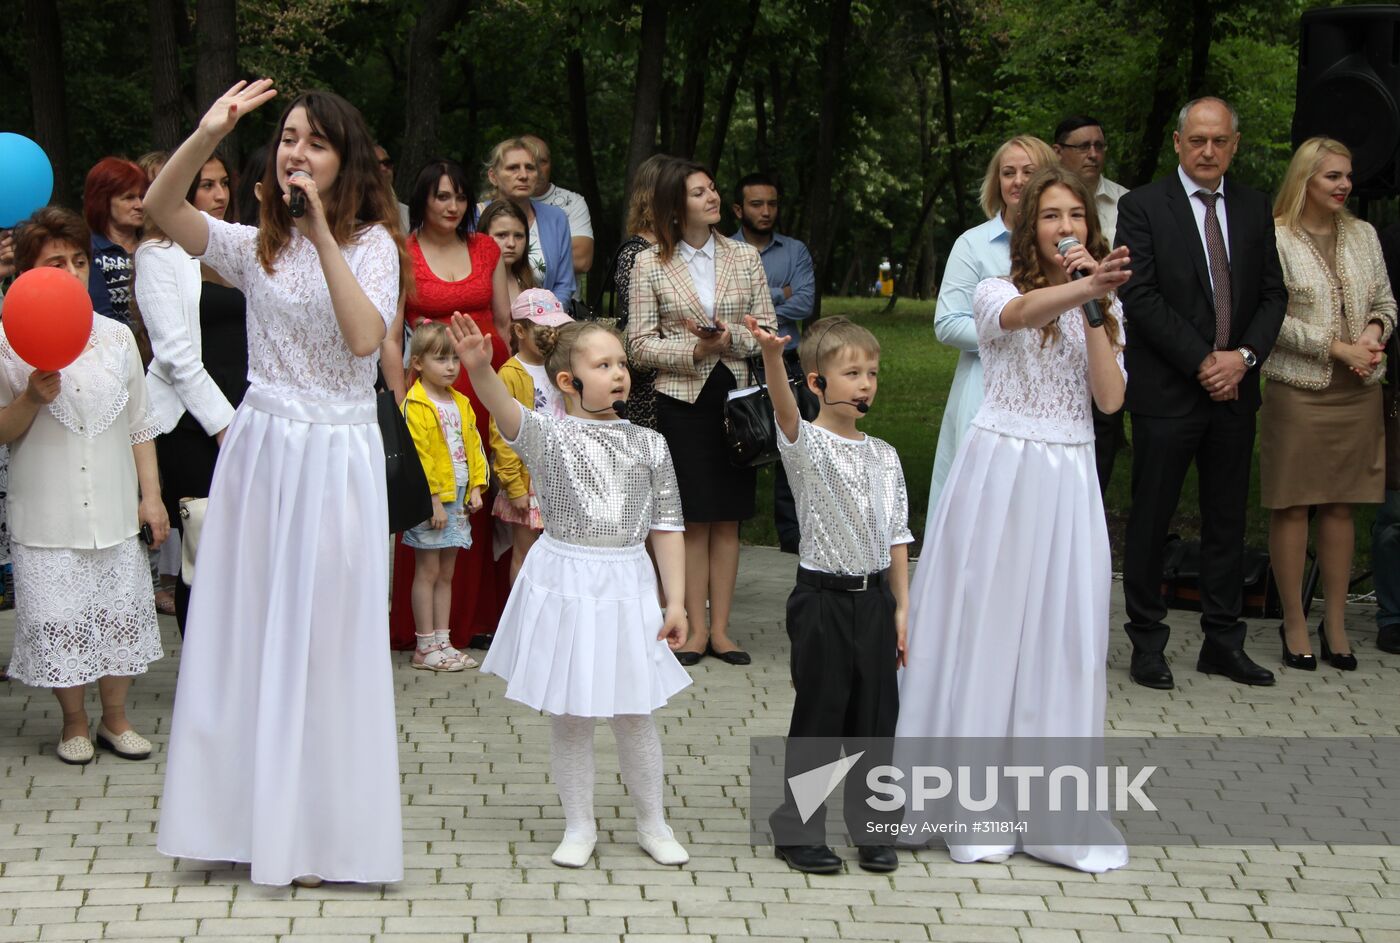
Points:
(582, 635)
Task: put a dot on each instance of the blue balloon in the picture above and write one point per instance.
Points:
(26, 178)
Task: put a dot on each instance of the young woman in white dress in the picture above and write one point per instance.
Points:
(1008, 623)
(283, 745)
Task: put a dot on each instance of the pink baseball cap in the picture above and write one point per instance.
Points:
(539, 306)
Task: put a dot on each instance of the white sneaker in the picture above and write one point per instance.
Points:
(574, 851)
(664, 849)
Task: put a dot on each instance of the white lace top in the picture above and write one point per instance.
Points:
(1033, 392)
(73, 474)
(295, 347)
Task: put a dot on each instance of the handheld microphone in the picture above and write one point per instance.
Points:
(618, 406)
(1092, 312)
(297, 204)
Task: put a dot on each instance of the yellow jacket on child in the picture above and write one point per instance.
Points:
(510, 471)
(421, 416)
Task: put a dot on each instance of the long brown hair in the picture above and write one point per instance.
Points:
(1026, 272)
(520, 271)
(358, 198)
(643, 196)
(668, 206)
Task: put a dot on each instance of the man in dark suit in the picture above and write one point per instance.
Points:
(1202, 311)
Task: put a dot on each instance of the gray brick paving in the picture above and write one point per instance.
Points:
(78, 862)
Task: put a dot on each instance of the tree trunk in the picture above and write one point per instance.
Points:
(646, 101)
(945, 80)
(731, 86)
(604, 234)
(216, 43)
(828, 130)
(420, 138)
(1202, 27)
(46, 89)
(690, 103)
(1166, 90)
(167, 121)
(760, 133)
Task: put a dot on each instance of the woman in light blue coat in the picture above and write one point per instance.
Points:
(983, 251)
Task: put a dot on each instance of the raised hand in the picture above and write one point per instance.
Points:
(241, 98)
(767, 340)
(1111, 272)
(473, 347)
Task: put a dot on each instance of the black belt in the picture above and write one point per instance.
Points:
(851, 584)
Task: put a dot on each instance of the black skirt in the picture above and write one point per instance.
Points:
(711, 488)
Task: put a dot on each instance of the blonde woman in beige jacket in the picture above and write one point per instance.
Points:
(1321, 439)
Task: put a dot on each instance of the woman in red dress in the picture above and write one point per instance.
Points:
(455, 268)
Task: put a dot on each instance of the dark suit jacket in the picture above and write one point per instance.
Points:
(1167, 304)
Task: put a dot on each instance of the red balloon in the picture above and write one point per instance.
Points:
(47, 318)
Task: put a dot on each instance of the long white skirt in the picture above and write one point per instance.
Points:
(578, 635)
(283, 744)
(1008, 611)
(964, 399)
(81, 615)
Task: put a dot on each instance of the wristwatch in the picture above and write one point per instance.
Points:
(1250, 360)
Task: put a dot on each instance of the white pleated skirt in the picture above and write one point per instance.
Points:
(964, 399)
(284, 745)
(578, 635)
(1008, 611)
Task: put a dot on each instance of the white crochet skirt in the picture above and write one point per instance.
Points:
(81, 615)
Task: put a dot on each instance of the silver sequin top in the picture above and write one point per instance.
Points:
(600, 483)
(851, 502)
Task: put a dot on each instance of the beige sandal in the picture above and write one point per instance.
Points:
(436, 658)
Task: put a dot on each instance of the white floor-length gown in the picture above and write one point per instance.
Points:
(1009, 620)
(283, 746)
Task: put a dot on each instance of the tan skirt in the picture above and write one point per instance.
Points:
(1321, 446)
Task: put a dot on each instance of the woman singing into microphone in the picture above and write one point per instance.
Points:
(283, 747)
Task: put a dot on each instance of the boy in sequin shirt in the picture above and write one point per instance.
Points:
(846, 616)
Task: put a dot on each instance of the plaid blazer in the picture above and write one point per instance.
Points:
(662, 297)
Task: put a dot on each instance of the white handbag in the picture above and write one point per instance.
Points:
(192, 520)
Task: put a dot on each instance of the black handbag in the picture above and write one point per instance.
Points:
(750, 431)
(410, 501)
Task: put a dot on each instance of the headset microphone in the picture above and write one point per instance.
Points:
(861, 408)
(618, 406)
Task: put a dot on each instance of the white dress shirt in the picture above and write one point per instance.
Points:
(1106, 199)
(701, 263)
(1198, 210)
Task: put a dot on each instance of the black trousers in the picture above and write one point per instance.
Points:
(1221, 443)
(1108, 437)
(844, 669)
(186, 456)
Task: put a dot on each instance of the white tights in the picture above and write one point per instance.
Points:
(638, 754)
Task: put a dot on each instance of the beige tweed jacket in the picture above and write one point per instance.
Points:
(663, 297)
(1301, 358)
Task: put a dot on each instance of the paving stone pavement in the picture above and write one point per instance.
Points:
(77, 855)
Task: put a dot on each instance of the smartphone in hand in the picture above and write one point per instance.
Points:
(147, 537)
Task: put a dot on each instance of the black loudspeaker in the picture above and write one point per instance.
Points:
(1349, 88)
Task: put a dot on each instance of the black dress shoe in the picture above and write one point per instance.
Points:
(1150, 669)
(481, 641)
(732, 657)
(1234, 664)
(809, 859)
(878, 858)
(1345, 661)
(689, 659)
(1388, 639)
(1306, 662)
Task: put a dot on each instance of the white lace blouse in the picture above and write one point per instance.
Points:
(295, 347)
(72, 474)
(1030, 391)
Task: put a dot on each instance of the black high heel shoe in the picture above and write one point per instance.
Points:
(1345, 661)
(1306, 662)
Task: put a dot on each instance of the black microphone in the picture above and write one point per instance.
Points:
(618, 406)
(861, 408)
(1092, 312)
(297, 204)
